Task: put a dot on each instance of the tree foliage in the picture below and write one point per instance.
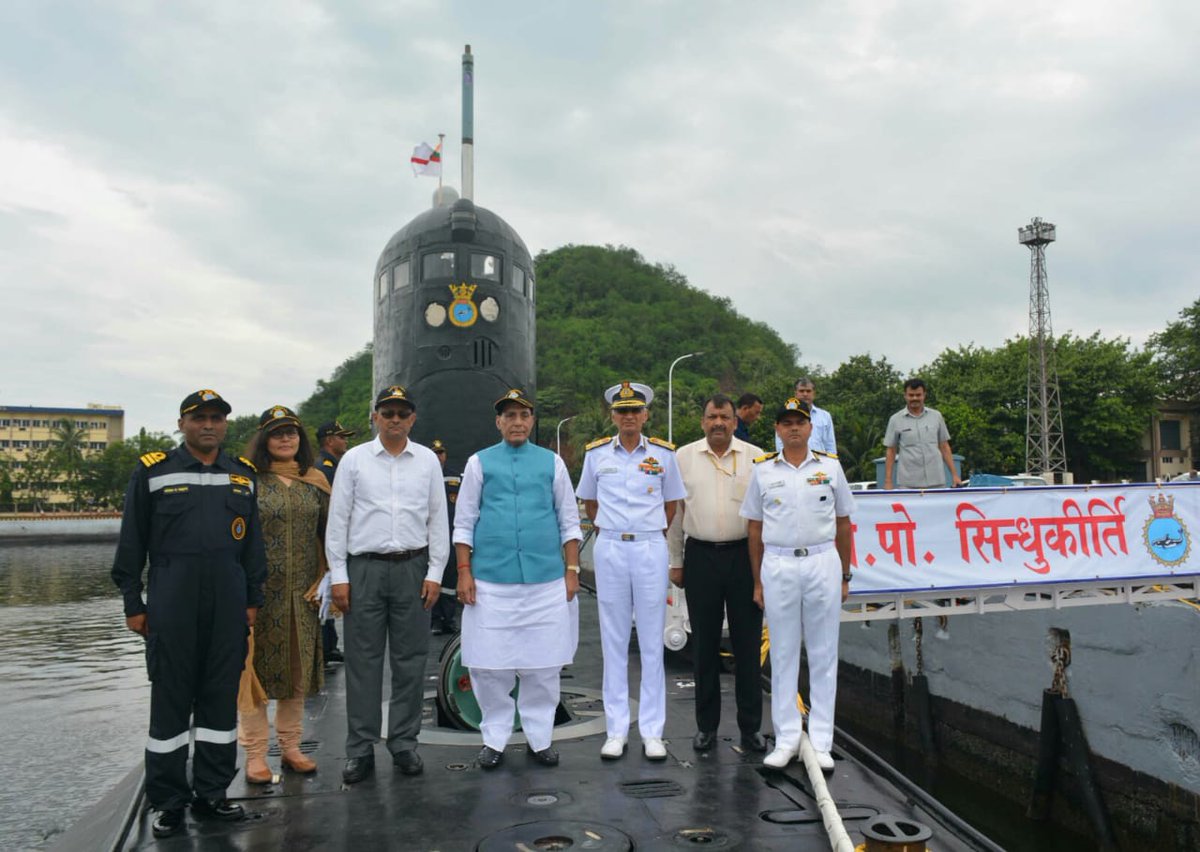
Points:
(606, 315)
(1176, 353)
(1107, 391)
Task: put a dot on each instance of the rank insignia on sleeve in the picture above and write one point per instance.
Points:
(823, 454)
(765, 457)
(327, 463)
(151, 459)
(248, 463)
(239, 479)
(599, 442)
(660, 442)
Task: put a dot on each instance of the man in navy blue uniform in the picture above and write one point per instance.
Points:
(192, 511)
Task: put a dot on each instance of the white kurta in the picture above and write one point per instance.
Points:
(520, 626)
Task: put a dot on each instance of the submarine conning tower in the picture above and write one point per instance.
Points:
(455, 321)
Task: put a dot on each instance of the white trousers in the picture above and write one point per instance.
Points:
(803, 597)
(537, 701)
(631, 580)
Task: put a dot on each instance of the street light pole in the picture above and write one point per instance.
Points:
(558, 434)
(671, 394)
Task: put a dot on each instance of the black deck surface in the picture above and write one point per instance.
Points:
(719, 800)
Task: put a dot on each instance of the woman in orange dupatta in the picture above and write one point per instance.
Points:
(293, 502)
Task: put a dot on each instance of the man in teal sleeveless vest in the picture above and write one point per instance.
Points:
(516, 522)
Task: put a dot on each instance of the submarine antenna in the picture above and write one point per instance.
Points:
(441, 169)
(468, 124)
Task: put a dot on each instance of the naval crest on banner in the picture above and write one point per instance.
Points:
(1165, 536)
(462, 311)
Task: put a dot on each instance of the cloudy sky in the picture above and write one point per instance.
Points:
(195, 193)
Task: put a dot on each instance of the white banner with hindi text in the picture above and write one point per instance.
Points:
(972, 537)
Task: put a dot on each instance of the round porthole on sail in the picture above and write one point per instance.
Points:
(489, 309)
(435, 314)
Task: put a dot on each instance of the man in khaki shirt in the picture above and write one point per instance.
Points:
(713, 566)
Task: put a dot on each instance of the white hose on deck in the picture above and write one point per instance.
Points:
(839, 840)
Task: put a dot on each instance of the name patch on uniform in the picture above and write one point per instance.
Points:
(241, 492)
(239, 479)
(820, 478)
(604, 470)
(777, 484)
(651, 466)
(176, 489)
(238, 528)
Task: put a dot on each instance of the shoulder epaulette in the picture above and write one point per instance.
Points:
(765, 457)
(599, 442)
(326, 463)
(248, 463)
(660, 442)
(826, 455)
(151, 459)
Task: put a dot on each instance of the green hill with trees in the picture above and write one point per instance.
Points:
(606, 314)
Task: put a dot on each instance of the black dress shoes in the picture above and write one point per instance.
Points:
(408, 762)
(334, 656)
(358, 768)
(489, 758)
(753, 741)
(704, 740)
(167, 823)
(217, 808)
(546, 757)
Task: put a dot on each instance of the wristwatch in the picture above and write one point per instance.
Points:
(574, 568)
(846, 578)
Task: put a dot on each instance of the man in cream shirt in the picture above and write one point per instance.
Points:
(713, 566)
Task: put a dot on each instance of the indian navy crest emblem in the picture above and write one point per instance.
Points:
(462, 311)
(1165, 536)
(626, 392)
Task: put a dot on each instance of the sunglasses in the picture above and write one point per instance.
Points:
(394, 413)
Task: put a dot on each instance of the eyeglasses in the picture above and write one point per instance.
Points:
(629, 410)
(394, 413)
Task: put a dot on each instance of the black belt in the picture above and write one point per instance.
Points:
(398, 556)
(717, 545)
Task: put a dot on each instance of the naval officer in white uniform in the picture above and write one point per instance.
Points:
(798, 506)
(631, 487)
(515, 524)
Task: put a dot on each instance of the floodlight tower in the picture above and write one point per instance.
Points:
(1044, 449)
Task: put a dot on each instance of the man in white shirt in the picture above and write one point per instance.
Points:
(798, 505)
(823, 440)
(387, 540)
(714, 568)
(516, 523)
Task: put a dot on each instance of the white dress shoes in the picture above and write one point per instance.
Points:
(654, 749)
(613, 748)
(780, 757)
(825, 761)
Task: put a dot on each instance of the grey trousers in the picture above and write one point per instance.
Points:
(385, 609)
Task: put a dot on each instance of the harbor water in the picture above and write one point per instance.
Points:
(75, 701)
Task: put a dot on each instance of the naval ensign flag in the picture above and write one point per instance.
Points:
(426, 160)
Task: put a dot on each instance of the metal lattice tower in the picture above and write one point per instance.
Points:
(1044, 449)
